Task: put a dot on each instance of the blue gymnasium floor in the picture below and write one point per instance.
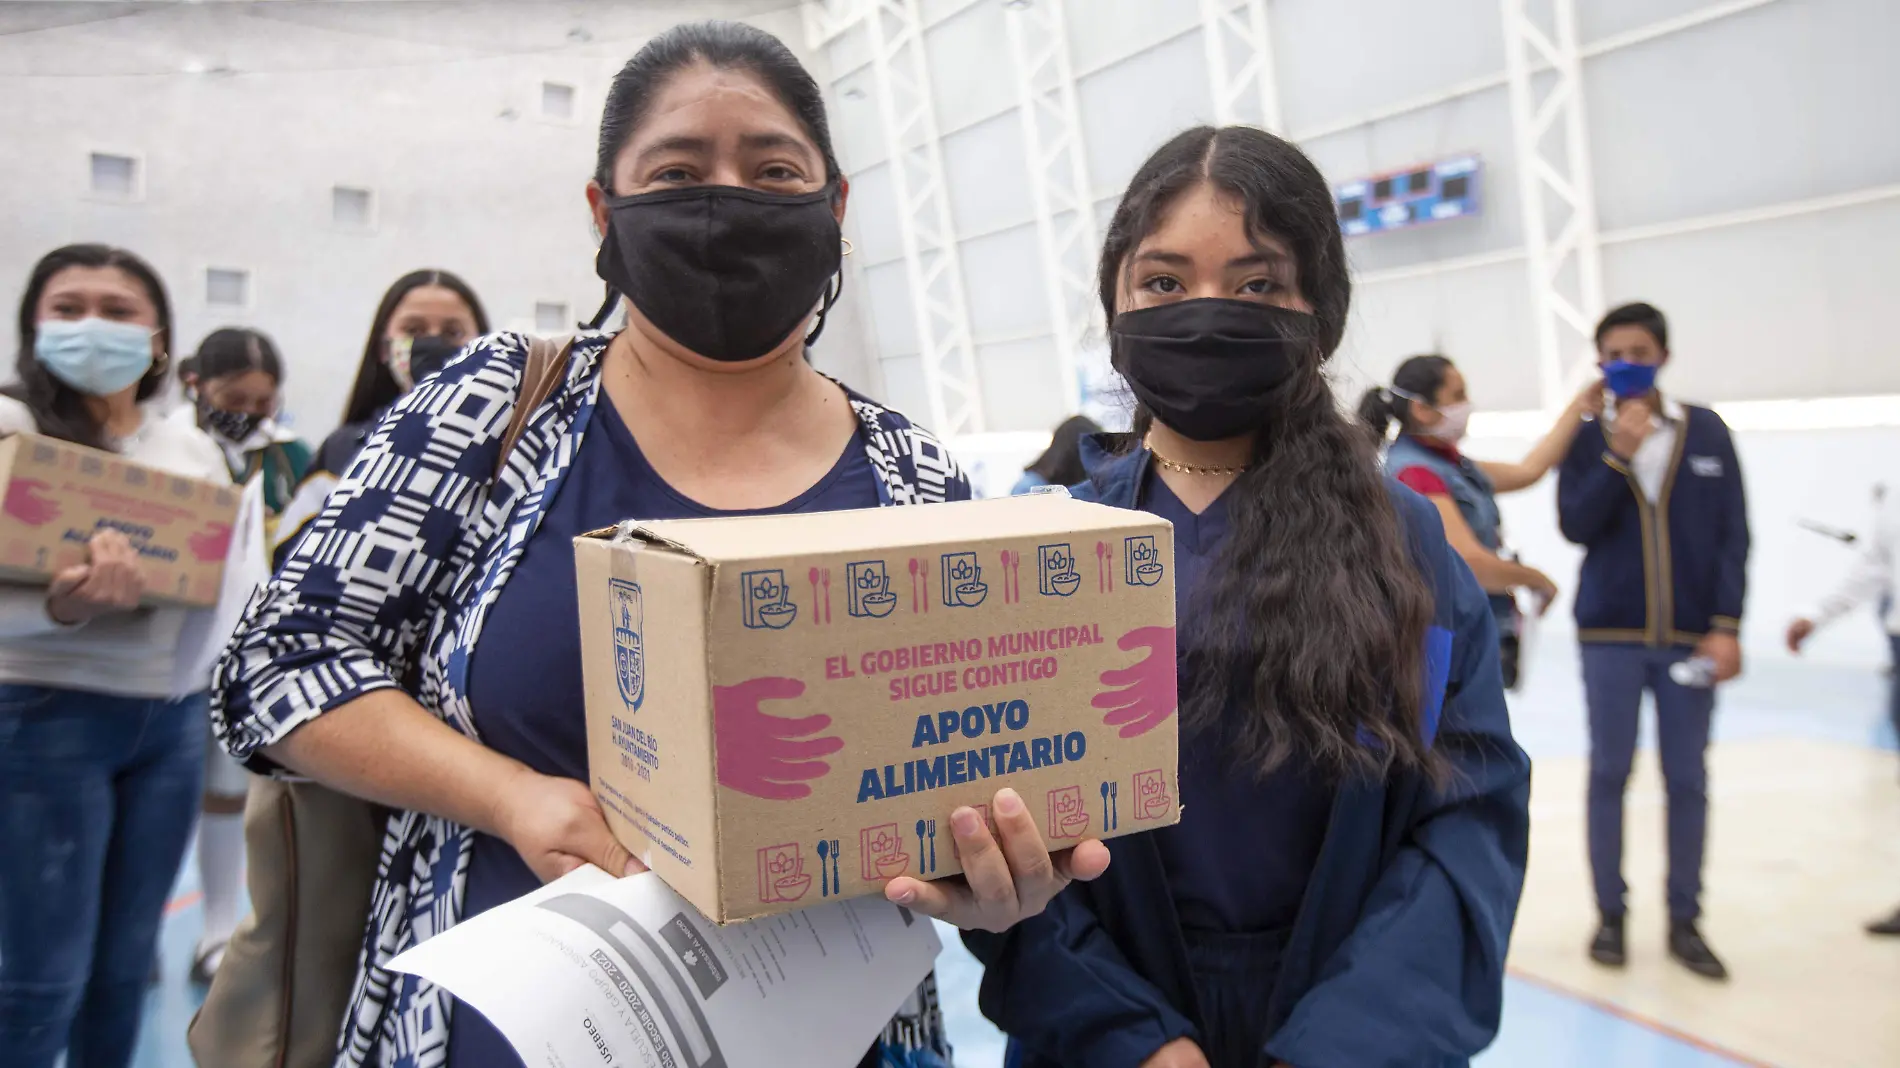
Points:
(1544, 1026)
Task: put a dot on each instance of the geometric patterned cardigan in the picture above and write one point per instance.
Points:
(389, 587)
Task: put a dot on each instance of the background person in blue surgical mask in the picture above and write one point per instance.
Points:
(99, 767)
(1654, 496)
(1429, 403)
(422, 323)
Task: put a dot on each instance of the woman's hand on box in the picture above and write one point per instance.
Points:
(1002, 883)
(109, 581)
(557, 825)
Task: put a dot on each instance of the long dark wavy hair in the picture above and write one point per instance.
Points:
(59, 409)
(376, 387)
(1313, 618)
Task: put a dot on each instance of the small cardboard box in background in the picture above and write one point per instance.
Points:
(58, 495)
(783, 710)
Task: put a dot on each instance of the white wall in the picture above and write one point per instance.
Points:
(1781, 109)
(434, 106)
(1783, 101)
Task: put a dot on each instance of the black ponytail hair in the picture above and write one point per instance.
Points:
(1418, 378)
(1313, 619)
(60, 410)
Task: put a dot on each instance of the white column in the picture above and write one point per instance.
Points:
(1240, 62)
(828, 20)
(1058, 180)
(907, 108)
(1555, 185)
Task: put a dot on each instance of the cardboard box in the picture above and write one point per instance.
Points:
(59, 494)
(783, 710)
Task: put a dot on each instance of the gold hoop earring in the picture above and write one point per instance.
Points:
(849, 248)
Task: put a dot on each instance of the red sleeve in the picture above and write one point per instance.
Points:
(1423, 480)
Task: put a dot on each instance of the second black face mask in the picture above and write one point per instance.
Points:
(727, 272)
(1207, 367)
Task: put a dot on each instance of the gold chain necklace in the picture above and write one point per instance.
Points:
(1194, 469)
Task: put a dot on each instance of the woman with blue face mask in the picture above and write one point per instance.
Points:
(1429, 404)
(100, 762)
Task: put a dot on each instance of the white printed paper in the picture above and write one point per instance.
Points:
(592, 970)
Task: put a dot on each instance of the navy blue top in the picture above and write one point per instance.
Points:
(525, 678)
(1663, 573)
(1240, 857)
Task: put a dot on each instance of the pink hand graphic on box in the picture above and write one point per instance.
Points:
(26, 501)
(213, 543)
(1142, 696)
(763, 755)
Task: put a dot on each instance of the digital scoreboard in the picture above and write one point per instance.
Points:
(1426, 193)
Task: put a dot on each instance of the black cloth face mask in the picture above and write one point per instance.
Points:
(1208, 367)
(234, 427)
(725, 271)
(429, 354)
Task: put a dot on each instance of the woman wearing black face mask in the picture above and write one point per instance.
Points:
(719, 200)
(234, 382)
(1341, 887)
(424, 320)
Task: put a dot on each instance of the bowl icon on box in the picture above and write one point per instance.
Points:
(1056, 574)
(782, 873)
(1144, 561)
(1068, 816)
(870, 589)
(963, 585)
(768, 600)
(882, 849)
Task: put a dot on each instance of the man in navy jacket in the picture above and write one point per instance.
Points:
(1654, 495)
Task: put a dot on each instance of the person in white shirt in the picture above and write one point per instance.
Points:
(1871, 578)
(101, 754)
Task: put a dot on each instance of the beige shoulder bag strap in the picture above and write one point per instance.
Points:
(546, 370)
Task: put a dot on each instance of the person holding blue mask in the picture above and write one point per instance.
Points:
(1655, 499)
(100, 762)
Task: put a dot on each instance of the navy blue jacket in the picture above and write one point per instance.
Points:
(1662, 574)
(1397, 957)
